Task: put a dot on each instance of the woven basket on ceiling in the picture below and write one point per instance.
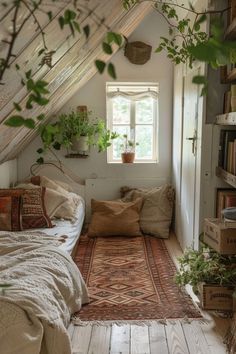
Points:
(138, 52)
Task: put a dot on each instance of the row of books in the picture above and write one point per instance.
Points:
(227, 151)
(226, 198)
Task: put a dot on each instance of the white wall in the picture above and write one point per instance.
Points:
(8, 173)
(158, 69)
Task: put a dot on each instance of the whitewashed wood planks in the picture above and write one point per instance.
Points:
(100, 340)
(139, 340)
(68, 85)
(176, 339)
(81, 339)
(195, 338)
(120, 339)
(158, 342)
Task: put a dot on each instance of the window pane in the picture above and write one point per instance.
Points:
(121, 110)
(144, 111)
(144, 136)
(117, 149)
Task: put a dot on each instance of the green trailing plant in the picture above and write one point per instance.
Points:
(185, 44)
(205, 266)
(74, 124)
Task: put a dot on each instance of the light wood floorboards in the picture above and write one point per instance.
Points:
(173, 338)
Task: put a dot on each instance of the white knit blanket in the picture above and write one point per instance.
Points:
(46, 289)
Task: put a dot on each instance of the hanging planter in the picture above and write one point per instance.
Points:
(138, 52)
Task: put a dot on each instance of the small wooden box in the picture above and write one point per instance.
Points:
(216, 297)
(219, 237)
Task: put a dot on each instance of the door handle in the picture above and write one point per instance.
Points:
(193, 139)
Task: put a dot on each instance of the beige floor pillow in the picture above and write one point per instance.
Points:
(157, 210)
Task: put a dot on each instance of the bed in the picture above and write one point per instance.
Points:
(46, 287)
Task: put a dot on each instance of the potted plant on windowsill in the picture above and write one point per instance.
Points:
(211, 275)
(128, 150)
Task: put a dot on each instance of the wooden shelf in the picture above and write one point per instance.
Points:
(76, 156)
(226, 119)
(226, 176)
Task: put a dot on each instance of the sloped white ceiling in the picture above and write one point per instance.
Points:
(73, 63)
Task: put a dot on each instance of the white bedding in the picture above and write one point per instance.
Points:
(66, 227)
(47, 288)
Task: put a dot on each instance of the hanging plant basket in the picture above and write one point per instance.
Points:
(138, 52)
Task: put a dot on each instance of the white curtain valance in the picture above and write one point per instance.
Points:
(133, 96)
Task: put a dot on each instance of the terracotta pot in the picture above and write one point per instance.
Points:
(128, 157)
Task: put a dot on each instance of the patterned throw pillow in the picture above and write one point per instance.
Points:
(33, 212)
(10, 213)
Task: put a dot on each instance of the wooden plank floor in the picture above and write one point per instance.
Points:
(173, 338)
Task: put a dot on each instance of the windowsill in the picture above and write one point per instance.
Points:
(133, 163)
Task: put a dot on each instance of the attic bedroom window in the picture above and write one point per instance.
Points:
(132, 110)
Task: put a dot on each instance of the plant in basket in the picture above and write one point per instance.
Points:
(211, 275)
(128, 149)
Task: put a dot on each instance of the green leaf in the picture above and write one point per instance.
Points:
(50, 15)
(114, 37)
(111, 70)
(100, 65)
(30, 85)
(17, 106)
(86, 30)
(40, 160)
(57, 146)
(159, 49)
(28, 74)
(17, 67)
(61, 22)
(40, 52)
(199, 79)
(29, 123)
(40, 116)
(77, 26)
(40, 151)
(106, 48)
(15, 121)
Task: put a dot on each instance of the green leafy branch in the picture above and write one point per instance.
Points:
(111, 39)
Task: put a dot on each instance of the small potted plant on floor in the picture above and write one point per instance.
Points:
(211, 275)
(128, 149)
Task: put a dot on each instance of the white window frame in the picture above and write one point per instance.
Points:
(133, 87)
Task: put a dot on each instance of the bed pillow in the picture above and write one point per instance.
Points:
(53, 200)
(10, 213)
(33, 210)
(68, 208)
(115, 218)
(47, 182)
(157, 210)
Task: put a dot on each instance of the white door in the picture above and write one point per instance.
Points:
(188, 212)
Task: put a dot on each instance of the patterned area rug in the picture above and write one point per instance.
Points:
(130, 279)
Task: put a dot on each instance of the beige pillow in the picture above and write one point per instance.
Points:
(45, 180)
(53, 200)
(157, 210)
(68, 208)
(115, 218)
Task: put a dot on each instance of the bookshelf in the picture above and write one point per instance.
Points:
(231, 30)
(226, 176)
(226, 119)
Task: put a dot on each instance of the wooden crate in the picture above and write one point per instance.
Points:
(216, 297)
(219, 237)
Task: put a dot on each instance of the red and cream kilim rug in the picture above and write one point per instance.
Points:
(130, 279)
